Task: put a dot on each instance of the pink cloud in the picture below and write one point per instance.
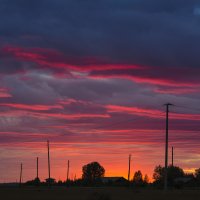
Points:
(151, 80)
(62, 65)
(178, 90)
(135, 111)
(50, 58)
(152, 113)
(4, 93)
(42, 115)
(31, 107)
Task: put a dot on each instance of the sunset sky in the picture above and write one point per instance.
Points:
(92, 76)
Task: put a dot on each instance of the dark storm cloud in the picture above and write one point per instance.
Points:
(143, 32)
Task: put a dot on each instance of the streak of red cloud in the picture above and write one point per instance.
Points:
(195, 117)
(185, 90)
(73, 116)
(71, 101)
(60, 63)
(55, 59)
(154, 81)
(135, 111)
(152, 113)
(163, 82)
(4, 93)
(31, 107)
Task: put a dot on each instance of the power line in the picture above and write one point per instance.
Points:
(187, 116)
(189, 108)
(129, 120)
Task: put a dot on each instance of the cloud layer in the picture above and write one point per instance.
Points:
(92, 77)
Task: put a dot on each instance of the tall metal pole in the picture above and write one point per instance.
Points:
(68, 170)
(49, 169)
(37, 169)
(129, 167)
(172, 156)
(166, 145)
(20, 179)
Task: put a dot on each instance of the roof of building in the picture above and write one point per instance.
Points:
(113, 179)
(183, 179)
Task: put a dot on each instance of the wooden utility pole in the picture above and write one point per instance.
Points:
(172, 156)
(49, 169)
(37, 168)
(20, 178)
(129, 167)
(68, 170)
(166, 144)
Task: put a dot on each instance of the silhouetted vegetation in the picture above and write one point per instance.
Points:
(176, 176)
(197, 174)
(139, 180)
(35, 182)
(92, 173)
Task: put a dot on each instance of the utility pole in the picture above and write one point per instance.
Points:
(166, 144)
(172, 156)
(49, 169)
(37, 168)
(129, 167)
(68, 170)
(20, 178)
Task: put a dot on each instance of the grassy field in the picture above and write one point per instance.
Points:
(96, 194)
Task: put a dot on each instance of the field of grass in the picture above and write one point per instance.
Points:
(96, 194)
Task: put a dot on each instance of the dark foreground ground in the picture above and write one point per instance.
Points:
(96, 194)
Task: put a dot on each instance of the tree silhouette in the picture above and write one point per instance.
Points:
(158, 174)
(146, 179)
(197, 174)
(137, 178)
(173, 173)
(35, 182)
(92, 172)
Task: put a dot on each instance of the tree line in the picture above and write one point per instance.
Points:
(93, 174)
